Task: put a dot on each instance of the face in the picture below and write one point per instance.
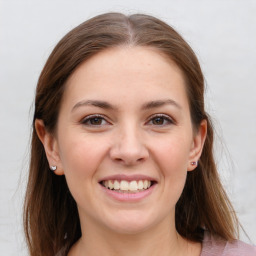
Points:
(125, 140)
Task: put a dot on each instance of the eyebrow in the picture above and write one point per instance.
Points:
(160, 103)
(96, 103)
(106, 105)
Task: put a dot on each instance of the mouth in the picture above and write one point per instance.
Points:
(125, 186)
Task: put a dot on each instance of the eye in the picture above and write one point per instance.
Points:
(94, 120)
(160, 120)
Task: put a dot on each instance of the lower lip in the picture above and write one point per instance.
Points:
(129, 197)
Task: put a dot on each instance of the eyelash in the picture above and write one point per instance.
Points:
(90, 118)
(165, 118)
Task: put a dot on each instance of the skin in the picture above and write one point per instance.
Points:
(129, 137)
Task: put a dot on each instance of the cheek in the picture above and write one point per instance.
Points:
(80, 158)
(173, 160)
(174, 154)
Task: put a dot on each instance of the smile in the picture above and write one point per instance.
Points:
(124, 186)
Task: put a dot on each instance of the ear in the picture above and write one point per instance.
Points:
(50, 146)
(197, 145)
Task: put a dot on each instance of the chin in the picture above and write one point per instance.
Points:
(130, 223)
(130, 228)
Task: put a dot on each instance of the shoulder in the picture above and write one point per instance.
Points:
(215, 246)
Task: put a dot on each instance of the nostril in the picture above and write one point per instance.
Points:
(128, 161)
(119, 159)
(129, 153)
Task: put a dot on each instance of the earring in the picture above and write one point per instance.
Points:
(53, 168)
(194, 163)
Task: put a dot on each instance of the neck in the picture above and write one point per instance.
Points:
(160, 240)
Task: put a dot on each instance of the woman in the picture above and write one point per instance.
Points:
(121, 157)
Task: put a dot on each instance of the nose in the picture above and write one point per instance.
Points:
(128, 147)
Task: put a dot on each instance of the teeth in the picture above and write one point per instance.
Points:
(133, 186)
(145, 184)
(140, 184)
(124, 185)
(110, 184)
(116, 185)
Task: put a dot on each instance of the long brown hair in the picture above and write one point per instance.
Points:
(51, 218)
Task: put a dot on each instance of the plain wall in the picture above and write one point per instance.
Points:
(223, 35)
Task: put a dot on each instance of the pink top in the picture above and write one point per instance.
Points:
(214, 246)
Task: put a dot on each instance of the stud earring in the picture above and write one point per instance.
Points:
(53, 168)
(194, 163)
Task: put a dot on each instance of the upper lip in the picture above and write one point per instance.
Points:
(135, 177)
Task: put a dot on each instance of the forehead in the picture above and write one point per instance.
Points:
(129, 57)
(138, 71)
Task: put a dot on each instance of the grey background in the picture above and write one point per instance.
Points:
(223, 35)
